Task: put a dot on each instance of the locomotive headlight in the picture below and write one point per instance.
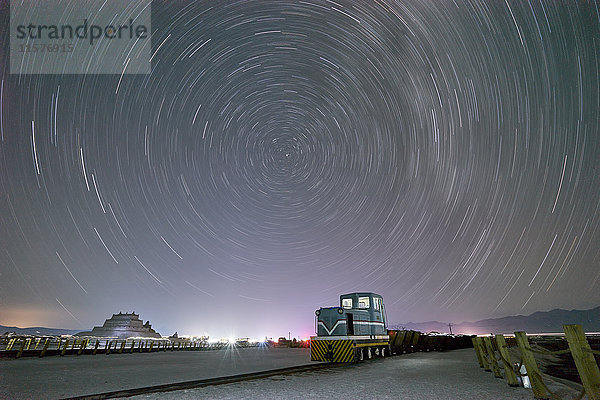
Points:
(340, 310)
(318, 312)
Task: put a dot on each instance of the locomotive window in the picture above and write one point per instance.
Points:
(377, 302)
(363, 302)
(347, 303)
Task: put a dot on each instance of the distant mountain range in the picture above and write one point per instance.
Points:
(38, 330)
(538, 322)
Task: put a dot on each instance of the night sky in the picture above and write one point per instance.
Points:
(444, 154)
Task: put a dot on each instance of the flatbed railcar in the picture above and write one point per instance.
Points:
(353, 331)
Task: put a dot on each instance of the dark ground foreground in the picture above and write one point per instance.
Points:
(417, 376)
(60, 377)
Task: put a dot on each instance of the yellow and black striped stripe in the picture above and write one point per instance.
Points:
(338, 351)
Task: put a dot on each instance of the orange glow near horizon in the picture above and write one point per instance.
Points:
(26, 317)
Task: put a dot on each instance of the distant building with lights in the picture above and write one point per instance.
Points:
(123, 325)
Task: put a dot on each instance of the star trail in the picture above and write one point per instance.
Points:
(445, 154)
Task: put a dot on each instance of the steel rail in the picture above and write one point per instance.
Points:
(170, 387)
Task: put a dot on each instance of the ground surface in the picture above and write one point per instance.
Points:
(60, 377)
(418, 376)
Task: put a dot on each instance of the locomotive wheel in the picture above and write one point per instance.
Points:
(358, 355)
(387, 351)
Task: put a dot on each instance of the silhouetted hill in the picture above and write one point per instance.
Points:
(38, 330)
(538, 322)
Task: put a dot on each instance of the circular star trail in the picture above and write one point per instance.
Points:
(444, 154)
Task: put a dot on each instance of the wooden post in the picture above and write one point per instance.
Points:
(29, 340)
(37, 343)
(20, 352)
(82, 346)
(107, 346)
(584, 360)
(533, 372)
(511, 377)
(122, 346)
(11, 343)
(484, 354)
(96, 347)
(132, 346)
(493, 362)
(477, 351)
(46, 344)
(64, 350)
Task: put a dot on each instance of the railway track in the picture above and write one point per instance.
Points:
(207, 382)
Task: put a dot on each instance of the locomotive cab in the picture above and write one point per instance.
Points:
(359, 314)
(351, 332)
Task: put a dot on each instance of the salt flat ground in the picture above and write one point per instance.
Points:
(60, 377)
(418, 376)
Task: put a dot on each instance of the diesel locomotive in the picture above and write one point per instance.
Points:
(354, 331)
